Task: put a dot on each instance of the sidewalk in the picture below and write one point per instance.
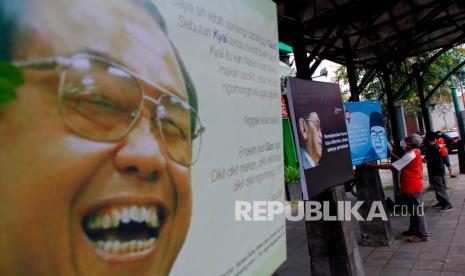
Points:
(443, 254)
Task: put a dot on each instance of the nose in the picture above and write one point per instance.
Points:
(141, 154)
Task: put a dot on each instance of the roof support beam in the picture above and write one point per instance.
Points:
(300, 53)
(354, 95)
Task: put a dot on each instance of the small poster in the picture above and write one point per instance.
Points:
(321, 135)
(367, 134)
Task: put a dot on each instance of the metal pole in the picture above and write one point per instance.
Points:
(457, 109)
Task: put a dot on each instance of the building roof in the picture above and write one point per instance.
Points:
(371, 32)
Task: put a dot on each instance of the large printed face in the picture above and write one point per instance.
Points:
(310, 129)
(76, 206)
(378, 140)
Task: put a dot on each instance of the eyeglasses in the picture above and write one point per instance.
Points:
(315, 122)
(101, 100)
(377, 134)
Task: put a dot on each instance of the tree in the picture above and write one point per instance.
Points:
(403, 83)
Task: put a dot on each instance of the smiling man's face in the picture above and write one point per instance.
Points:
(75, 206)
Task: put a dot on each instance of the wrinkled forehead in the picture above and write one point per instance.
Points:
(377, 128)
(122, 30)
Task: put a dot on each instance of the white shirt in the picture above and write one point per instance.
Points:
(408, 157)
(307, 159)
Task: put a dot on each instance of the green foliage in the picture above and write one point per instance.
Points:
(403, 71)
(291, 174)
(10, 78)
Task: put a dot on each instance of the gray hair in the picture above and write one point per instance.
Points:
(415, 140)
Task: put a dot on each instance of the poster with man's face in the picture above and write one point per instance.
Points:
(129, 129)
(367, 135)
(319, 126)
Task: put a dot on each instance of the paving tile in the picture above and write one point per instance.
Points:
(456, 257)
(429, 265)
(386, 249)
(381, 255)
(457, 249)
(450, 273)
(436, 248)
(375, 262)
(456, 266)
(395, 272)
(401, 263)
(372, 271)
(434, 256)
(419, 272)
(414, 247)
(405, 255)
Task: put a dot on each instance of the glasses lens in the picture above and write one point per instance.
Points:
(99, 100)
(180, 129)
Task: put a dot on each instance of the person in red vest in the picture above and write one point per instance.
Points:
(410, 166)
(445, 155)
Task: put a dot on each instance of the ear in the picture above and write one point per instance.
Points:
(303, 128)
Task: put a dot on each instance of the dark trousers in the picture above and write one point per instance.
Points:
(417, 216)
(438, 182)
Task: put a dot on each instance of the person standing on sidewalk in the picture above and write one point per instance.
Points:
(444, 153)
(410, 166)
(436, 172)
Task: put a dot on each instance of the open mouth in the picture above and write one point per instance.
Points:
(124, 229)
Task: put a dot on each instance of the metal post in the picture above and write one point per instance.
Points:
(457, 109)
(458, 114)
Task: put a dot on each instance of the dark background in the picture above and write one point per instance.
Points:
(323, 98)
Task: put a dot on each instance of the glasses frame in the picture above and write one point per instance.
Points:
(314, 122)
(64, 62)
(380, 135)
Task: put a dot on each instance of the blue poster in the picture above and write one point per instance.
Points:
(367, 135)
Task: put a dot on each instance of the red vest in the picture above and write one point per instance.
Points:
(411, 176)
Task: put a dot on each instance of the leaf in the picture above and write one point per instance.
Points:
(7, 92)
(11, 73)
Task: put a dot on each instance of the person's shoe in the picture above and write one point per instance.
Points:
(453, 176)
(409, 233)
(417, 239)
(437, 205)
(446, 208)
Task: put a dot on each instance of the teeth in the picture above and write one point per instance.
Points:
(154, 220)
(113, 218)
(140, 245)
(134, 214)
(125, 218)
(132, 246)
(107, 246)
(106, 222)
(124, 247)
(144, 214)
(117, 247)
